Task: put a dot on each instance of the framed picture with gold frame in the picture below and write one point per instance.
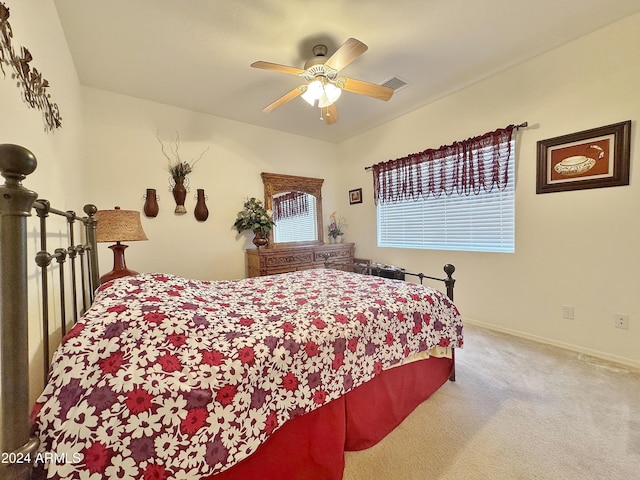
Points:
(593, 158)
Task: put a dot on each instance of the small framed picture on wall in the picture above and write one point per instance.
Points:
(355, 196)
(589, 159)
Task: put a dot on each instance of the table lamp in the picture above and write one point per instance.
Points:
(118, 226)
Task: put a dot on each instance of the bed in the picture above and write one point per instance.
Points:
(266, 377)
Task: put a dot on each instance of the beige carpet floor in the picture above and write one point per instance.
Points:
(518, 410)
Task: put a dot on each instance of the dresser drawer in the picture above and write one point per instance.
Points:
(269, 261)
(333, 254)
(288, 259)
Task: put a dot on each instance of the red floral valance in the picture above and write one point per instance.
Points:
(290, 205)
(466, 167)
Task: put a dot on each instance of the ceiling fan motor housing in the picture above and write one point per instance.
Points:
(320, 56)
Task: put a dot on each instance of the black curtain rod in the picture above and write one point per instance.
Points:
(518, 127)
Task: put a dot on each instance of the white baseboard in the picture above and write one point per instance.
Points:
(567, 346)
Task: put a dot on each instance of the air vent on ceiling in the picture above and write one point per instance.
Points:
(395, 83)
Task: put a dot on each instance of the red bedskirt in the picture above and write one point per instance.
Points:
(311, 447)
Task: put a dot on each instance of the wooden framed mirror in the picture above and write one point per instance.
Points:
(296, 203)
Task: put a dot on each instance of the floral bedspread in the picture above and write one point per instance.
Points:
(166, 377)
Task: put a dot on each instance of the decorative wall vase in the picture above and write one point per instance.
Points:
(180, 195)
(151, 203)
(201, 211)
(260, 240)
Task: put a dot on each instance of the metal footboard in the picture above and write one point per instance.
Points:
(365, 267)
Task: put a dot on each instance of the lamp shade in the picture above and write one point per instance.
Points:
(119, 226)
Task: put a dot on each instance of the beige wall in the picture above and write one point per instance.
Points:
(125, 159)
(35, 25)
(572, 248)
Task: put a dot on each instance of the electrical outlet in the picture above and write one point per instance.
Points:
(567, 312)
(621, 320)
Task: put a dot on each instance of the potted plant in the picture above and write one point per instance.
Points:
(336, 227)
(256, 218)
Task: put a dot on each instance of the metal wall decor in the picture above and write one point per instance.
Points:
(29, 80)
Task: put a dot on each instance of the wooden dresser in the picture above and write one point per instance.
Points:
(271, 260)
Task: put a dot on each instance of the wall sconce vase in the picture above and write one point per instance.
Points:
(151, 203)
(201, 211)
(180, 195)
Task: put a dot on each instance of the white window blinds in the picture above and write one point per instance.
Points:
(480, 219)
(297, 228)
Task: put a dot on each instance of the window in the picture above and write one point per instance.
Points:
(432, 207)
(300, 227)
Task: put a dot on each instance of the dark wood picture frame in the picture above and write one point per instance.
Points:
(355, 196)
(593, 158)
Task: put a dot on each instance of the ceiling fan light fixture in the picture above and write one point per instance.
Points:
(313, 92)
(330, 96)
(323, 92)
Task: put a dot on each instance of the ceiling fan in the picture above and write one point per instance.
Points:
(323, 86)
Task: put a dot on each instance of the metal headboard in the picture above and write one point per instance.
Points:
(82, 255)
(16, 204)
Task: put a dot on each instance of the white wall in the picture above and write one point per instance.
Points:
(575, 248)
(35, 26)
(125, 159)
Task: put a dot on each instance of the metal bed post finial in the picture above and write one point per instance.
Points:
(91, 226)
(449, 281)
(43, 259)
(16, 201)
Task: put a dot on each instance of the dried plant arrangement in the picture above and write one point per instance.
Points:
(177, 167)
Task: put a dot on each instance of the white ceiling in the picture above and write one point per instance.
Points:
(196, 54)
